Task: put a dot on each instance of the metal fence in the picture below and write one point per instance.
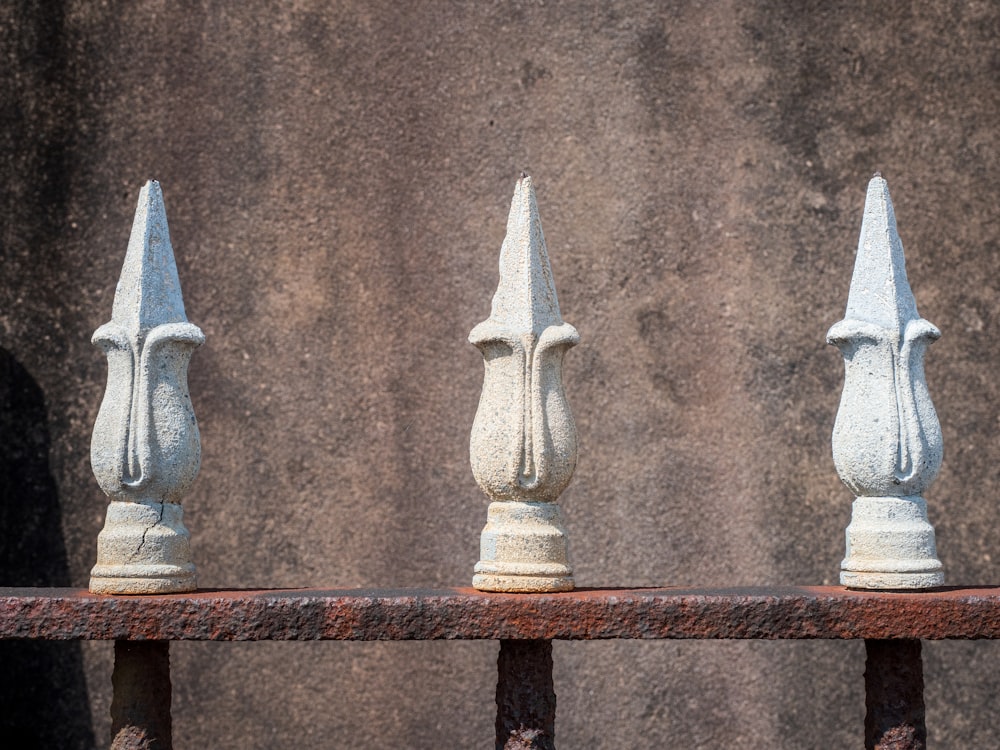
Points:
(146, 453)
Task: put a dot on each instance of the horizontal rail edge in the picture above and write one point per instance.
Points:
(763, 613)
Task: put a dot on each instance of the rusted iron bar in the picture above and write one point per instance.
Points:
(311, 614)
(526, 700)
(140, 707)
(894, 696)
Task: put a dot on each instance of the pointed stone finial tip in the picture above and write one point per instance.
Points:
(878, 188)
(878, 184)
(150, 192)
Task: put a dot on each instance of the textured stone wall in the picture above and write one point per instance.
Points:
(337, 177)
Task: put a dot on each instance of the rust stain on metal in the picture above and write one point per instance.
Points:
(462, 613)
(894, 696)
(140, 708)
(526, 699)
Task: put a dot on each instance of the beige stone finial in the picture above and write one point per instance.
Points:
(146, 450)
(887, 440)
(523, 445)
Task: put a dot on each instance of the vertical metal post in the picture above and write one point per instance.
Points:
(140, 708)
(894, 696)
(526, 700)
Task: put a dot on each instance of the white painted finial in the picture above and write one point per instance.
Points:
(145, 450)
(523, 445)
(887, 440)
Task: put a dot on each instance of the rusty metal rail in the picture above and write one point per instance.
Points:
(892, 625)
(463, 613)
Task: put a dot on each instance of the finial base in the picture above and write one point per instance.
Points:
(143, 549)
(524, 548)
(891, 545)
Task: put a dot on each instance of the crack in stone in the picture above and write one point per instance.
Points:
(157, 522)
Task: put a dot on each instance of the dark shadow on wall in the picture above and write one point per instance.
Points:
(43, 694)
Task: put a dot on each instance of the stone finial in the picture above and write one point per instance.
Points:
(523, 445)
(886, 441)
(145, 450)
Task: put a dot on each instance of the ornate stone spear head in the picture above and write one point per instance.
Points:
(145, 450)
(887, 440)
(523, 444)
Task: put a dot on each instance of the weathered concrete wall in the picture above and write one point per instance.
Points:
(337, 178)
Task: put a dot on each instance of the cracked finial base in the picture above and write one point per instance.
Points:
(891, 545)
(143, 549)
(524, 548)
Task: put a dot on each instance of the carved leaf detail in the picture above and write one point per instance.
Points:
(523, 443)
(146, 444)
(887, 439)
